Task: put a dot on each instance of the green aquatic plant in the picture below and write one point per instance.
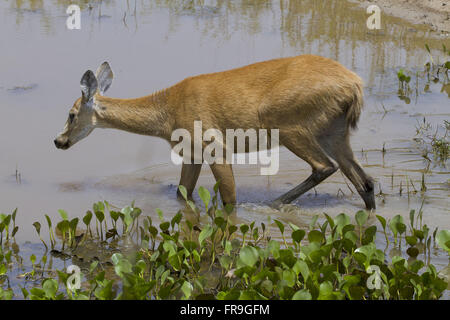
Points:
(37, 226)
(436, 137)
(178, 258)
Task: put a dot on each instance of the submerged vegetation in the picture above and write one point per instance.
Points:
(180, 259)
(433, 142)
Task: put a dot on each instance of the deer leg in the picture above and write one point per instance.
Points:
(338, 144)
(362, 182)
(189, 177)
(223, 173)
(322, 167)
(313, 180)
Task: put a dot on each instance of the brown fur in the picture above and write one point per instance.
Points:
(313, 101)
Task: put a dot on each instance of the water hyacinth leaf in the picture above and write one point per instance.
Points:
(401, 227)
(301, 267)
(347, 228)
(160, 214)
(232, 229)
(382, 221)
(114, 215)
(16, 228)
(330, 220)
(220, 222)
(411, 240)
(187, 289)
(313, 222)
(63, 214)
(205, 196)
(6, 220)
(244, 228)
(87, 218)
(290, 277)
(37, 226)
(164, 226)
(280, 225)
(274, 248)
(361, 217)
(153, 231)
(205, 233)
(3, 269)
(267, 285)
(416, 265)
(298, 235)
(249, 256)
(326, 291)
(302, 294)
(370, 232)
(50, 287)
(176, 219)
(229, 208)
(315, 236)
(443, 239)
(127, 218)
(225, 261)
(341, 220)
(135, 213)
(394, 221)
(412, 252)
(293, 226)
(183, 191)
(98, 206)
(49, 221)
(73, 224)
(175, 261)
(99, 215)
(93, 265)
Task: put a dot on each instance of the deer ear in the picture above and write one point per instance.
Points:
(88, 85)
(104, 76)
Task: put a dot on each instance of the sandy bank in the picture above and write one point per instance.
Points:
(434, 13)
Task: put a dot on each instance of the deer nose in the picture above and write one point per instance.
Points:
(61, 143)
(57, 143)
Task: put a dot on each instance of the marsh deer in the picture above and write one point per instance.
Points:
(313, 101)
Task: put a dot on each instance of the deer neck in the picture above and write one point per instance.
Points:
(147, 115)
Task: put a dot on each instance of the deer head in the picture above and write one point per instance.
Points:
(82, 118)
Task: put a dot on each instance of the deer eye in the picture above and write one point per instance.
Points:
(71, 117)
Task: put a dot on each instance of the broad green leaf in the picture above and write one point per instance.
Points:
(443, 239)
(205, 196)
(249, 256)
(63, 214)
(302, 295)
(205, 233)
(361, 217)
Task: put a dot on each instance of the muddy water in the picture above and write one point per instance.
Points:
(153, 44)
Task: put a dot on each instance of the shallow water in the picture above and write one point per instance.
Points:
(154, 44)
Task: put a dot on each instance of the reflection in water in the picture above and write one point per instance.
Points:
(329, 28)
